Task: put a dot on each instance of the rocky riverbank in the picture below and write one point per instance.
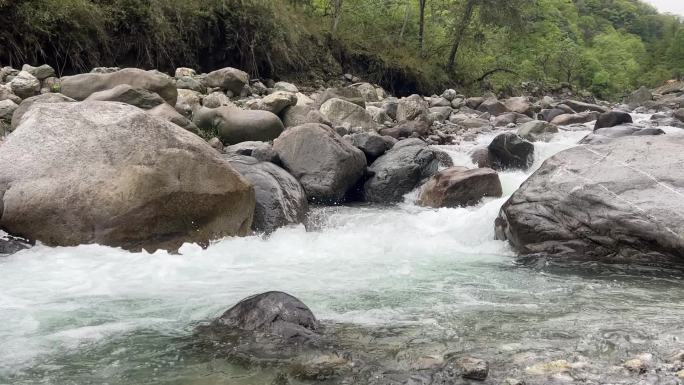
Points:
(143, 160)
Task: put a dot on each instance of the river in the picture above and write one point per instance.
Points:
(435, 280)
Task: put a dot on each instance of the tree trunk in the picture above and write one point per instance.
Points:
(460, 31)
(406, 19)
(337, 16)
(421, 27)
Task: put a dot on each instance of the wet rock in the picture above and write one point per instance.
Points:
(537, 130)
(458, 186)
(280, 199)
(511, 151)
(326, 165)
(606, 135)
(412, 108)
(110, 173)
(472, 368)
(25, 85)
(510, 118)
(612, 119)
(227, 79)
(124, 93)
(407, 129)
(81, 86)
(372, 145)
(276, 102)
(567, 119)
(482, 157)
(341, 112)
(349, 94)
(234, 125)
(298, 115)
(39, 99)
(10, 245)
(588, 210)
(679, 114)
(322, 367)
(273, 312)
(400, 171)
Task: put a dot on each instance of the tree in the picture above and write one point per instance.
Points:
(421, 26)
(336, 6)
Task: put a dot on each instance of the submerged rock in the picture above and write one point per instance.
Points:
(617, 202)
(275, 313)
(458, 186)
(109, 173)
(280, 199)
(10, 245)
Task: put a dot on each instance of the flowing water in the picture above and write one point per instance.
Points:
(420, 281)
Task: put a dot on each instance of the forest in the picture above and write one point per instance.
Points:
(603, 47)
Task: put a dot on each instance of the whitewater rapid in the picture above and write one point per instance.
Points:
(111, 310)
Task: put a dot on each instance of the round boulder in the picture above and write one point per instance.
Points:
(227, 79)
(326, 165)
(110, 173)
(458, 186)
(511, 151)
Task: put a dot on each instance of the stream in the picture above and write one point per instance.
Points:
(403, 281)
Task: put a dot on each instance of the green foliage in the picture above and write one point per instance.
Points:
(608, 47)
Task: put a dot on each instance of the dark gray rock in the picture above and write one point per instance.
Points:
(10, 245)
(273, 312)
(511, 151)
(493, 107)
(568, 119)
(400, 171)
(612, 119)
(372, 145)
(326, 165)
(280, 199)
(619, 202)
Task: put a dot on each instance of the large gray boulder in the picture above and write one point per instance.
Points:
(38, 99)
(619, 202)
(124, 93)
(227, 79)
(341, 112)
(110, 173)
(280, 199)
(537, 130)
(399, 171)
(25, 85)
(326, 165)
(412, 108)
(458, 186)
(234, 125)
(81, 86)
